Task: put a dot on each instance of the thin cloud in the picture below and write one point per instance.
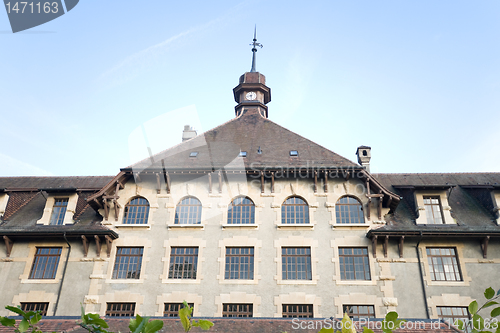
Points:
(139, 62)
(14, 167)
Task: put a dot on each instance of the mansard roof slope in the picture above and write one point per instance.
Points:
(28, 197)
(469, 199)
(251, 133)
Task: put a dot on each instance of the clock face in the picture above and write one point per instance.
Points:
(251, 96)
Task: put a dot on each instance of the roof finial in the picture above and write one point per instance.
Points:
(254, 49)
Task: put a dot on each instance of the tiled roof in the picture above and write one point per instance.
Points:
(228, 325)
(251, 133)
(471, 210)
(54, 183)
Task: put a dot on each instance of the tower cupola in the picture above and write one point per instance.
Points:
(251, 93)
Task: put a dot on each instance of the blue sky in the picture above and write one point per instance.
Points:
(418, 81)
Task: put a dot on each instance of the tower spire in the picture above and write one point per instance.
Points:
(254, 49)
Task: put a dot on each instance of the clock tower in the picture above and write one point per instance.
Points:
(251, 93)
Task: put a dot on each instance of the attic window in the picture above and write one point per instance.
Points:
(243, 154)
(193, 154)
(294, 153)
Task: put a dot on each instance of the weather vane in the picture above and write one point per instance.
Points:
(254, 49)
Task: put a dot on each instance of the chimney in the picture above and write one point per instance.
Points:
(188, 133)
(364, 155)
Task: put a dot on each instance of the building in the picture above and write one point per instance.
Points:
(252, 220)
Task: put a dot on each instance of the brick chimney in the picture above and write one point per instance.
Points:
(364, 155)
(188, 133)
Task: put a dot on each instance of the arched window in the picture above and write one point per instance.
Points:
(136, 211)
(294, 211)
(349, 211)
(241, 211)
(188, 211)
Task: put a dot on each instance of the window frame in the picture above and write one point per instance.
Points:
(43, 307)
(58, 213)
(239, 313)
(36, 259)
(287, 219)
(136, 274)
(228, 271)
(452, 317)
(117, 313)
(193, 272)
(339, 213)
(174, 313)
(343, 264)
(286, 313)
(296, 264)
(127, 220)
(429, 211)
(183, 220)
(431, 265)
(240, 211)
(359, 315)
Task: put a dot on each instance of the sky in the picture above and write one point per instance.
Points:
(418, 81)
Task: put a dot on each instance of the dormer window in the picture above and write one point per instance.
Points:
(294, 153)
(243, 154)
(59, 211)
(193, 154)
(433, 210)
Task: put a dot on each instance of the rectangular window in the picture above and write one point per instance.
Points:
(298, 311)
(453, 313)
(443, 264)
(239, 263)
(237, 310)
(183, 263)
(296, 263)
(172, 309)
(120, 309)
(128, 263)
(29, 306)
(45, 263)
(359, 311)
(354, 264)
(433, 210)
(58, 211)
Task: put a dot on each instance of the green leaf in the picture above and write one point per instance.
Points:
(36, 318)
(460, 325)
(23, 325)
(495, 312)
(391, 316)
(184, 314)
(134, 323)
(347, 325)
(16, 310)
(153, 326)
(478, 322)
(7, 321)
(326, 330)
(489, 293)
(204, 324)
(489, 304)
(365, 330)
(143, 322)
(84, 317)
(473, 307)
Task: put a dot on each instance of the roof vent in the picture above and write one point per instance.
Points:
(259, 151)
(294, 153)
(193, 154)
(243, 154)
